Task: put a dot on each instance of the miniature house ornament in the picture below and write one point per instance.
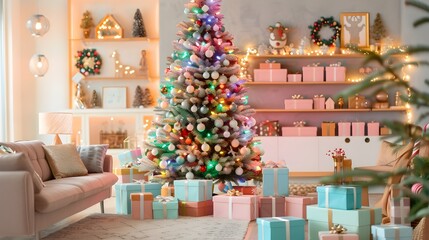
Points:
(109, 28)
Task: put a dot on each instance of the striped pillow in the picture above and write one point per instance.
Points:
(93, 157)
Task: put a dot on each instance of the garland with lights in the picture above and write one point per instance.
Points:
(318, 25)
(88, 61)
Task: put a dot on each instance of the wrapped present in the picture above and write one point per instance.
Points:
(193, 190)
(291, 228)
(380, 105)
(124, 190)
(271, 206)
(300, 104)
(165, 208)
(313, 74)
(385, 131)
(335, 74)
(296, 206)
(127, 175)
(246, 190)
(275, 181)
(400, 210)
(391, 232)
(357, 102)
(129, 156)
(167, 191)
(294, 77)
(327, 235)
(269, 128)
(244, 207)
(357, 221)
(270, 75)
(319, 102)
(196, 209)
(373, 128)
(358, 129)
(141, 205)
(339, 197)
(328, 129)
(269, 65)
(299, 131)
(344, 128)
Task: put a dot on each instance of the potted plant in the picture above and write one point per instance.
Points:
(86, 24)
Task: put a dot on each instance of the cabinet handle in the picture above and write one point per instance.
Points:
(347, 140)
(367, 140)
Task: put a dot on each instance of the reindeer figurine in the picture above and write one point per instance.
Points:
(354, 28)
(121, 70)
(278, 39)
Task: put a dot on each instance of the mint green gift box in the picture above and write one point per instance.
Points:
(193, 190)
(124, 190)
(339, 197)
(356, 221)
(291, 228)
(391, 232)
(275, 182)
(165, 208)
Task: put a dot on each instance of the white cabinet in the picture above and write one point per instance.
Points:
(299, 153)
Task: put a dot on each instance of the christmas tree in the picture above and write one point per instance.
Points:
(138, 25)
(378, 30)
(138, 97)
(205, 125)
(147, 99)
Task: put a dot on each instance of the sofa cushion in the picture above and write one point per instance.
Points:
(392, 154)
(5, 150)
(64, 161)
(93, 157)
(20, 162)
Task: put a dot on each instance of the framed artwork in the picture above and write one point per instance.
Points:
(355, 29)
(115, 97)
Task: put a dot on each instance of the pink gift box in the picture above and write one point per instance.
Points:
(335, 74)
(270, 75)
(312, 74)
(373, 128)
(358, 129)
(299, 131)
(196, 209)
(326, 235)
(141, 205)
(344, 128)
(294, 77)
(269, 66)
(271, 206)
(298, 104)
(400, 210)
(136, 153)
(296, 206)
(319, 102)
(243, 207)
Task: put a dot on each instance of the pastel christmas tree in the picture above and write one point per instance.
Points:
(139, 29)
(205, 125)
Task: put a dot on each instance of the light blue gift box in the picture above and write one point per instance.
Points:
(125, 158)
(275, 182)
(193, 190)
(356, 221)
(124, 190)
(339, 197)
(391, 232)
(165, 208)
(289, 228)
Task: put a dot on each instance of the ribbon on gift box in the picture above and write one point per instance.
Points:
(327, 195)
(141, 206)
(314, 65)
(164, 201)
(338, 229)
(297, 96)
(273, 207)
(274, 164)
(287, 226)
(141, 182)
(299, 123)
(338, 64)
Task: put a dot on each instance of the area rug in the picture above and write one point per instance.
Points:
(111, 227)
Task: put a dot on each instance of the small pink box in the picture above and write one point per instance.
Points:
(400, 210)
(243, 207)
(319, 102)
(294, 77)
(269, 66)
(270, 75)
(358, 129)
(299, 131)
(373, 129)
(271, 206)
(298, 104)
(335, 74)
(326, 235)
(141, 205)
(312, 74)
(344, 128)
(296, 206)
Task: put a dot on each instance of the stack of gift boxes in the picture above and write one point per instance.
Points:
(195, 197)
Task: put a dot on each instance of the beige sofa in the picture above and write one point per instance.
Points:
(24, 212)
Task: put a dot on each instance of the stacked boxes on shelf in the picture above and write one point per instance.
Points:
(270, 72)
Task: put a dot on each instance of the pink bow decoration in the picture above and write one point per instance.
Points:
(299, 124)
(272, 164)
(160, 198)
(297, 96)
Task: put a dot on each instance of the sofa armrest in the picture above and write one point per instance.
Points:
(108, 163)
(17, 203)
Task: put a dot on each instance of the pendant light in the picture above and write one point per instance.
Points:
(38, 25)
(38, 65)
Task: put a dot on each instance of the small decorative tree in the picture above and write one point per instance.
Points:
(147, 100)
(94, 99)
(138, 97)
(378, 30)
(86, 24)
(138, 25)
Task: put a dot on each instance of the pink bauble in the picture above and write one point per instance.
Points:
(417, 188)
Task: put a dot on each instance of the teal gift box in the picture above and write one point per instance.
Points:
(339, 197)
(358, 221)
(165, 207)
(281, 228)
(391, 232)
(124, 190)
(275, 182)
(193, 190)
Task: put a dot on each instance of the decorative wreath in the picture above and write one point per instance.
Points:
(88, 61)
(315, 29)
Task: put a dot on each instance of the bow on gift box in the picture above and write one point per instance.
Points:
(297, 96)
(299, 124)
(338, 64)
(273, 164)
(338, 229)
(233, 192)
(318, 96)
(313, 65)
(270, 61)
(160, 198)
(140, 181)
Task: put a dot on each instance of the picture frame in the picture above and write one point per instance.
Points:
(355, 29)
(115, 97)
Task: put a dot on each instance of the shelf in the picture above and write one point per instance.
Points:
(104, 111)
(307, 56)
(115, 78)
(310, 174)
(301, 83)
(96, 40)
(329, 110)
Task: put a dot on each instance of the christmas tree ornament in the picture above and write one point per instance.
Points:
(215, 75)
(185, 104)
(190, 127)
(191, 158)
(218, 167)
(194, 109)
(226, 62)
(206, 75)
(189, 175)
(163, 164)
(226, 134)
(217, 148)
(154, 151)
(139, 29)
(171, 147)
(205, 147)
(239, 171)
(218, 122)
(233, 79)
(190, 89)
(233, 123)
(235, 143)
(167, 128)
(201, 127)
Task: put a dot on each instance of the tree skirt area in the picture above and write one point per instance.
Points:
(110, 226)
